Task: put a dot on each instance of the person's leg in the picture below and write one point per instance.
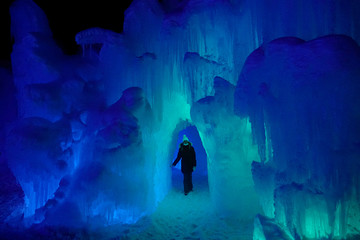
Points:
(187, 182)
(190, 182)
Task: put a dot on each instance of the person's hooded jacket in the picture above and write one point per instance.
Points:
(187, 155)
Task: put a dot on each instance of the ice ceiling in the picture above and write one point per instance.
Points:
(271, 86)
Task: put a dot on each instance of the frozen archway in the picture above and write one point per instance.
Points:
(200, 175)
(229, 149)
(188, 129)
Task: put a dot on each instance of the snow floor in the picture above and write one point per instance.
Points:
(176, 217)
(183, 217)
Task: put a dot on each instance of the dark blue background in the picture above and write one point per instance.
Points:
(66, 18)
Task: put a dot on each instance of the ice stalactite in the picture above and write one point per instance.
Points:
(306, 95)
(304, 19)
(228, 143)
(191, 52)
(105, 185)
(93, 39)
(39, 155)
(11, 196)
(31, 33)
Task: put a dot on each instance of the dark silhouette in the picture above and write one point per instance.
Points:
(188, 163)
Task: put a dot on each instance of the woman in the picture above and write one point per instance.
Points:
(188, 163)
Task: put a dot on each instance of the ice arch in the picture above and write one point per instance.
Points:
(229, 150)
(190, 130)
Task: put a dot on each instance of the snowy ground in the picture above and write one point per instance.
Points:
(177, 217)
(184, 217)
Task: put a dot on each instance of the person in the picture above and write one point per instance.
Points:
(188, 163)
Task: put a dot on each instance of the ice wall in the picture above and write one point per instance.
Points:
(69, 148)
(39, 154)
(305, 19)
(181, 53)
(32, 34)
(302, 101)
(188, 43)
(113, 182)
(8, 111)
(11, 196)
(228, 143)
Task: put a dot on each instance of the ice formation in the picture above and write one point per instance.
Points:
(230, 151)
(302, 100)
(268, 89)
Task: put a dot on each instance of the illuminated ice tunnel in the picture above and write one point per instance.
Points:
(268, 89)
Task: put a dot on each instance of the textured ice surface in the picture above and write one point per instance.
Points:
(39, 154)
(228, 143)
(266, 228)
(11, 196)
(302, 101)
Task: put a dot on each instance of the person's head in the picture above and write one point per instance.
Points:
(185, 141)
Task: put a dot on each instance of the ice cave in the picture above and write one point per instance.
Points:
(267, 92)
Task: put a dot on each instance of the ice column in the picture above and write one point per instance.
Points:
(228, 143)
(302, 101)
